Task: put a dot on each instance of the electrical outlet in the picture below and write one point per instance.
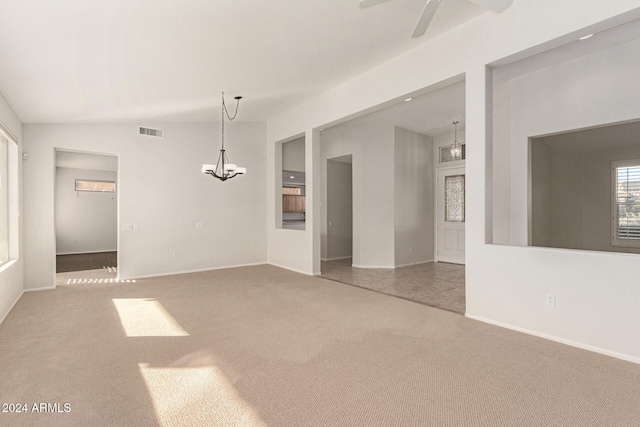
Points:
(550, 300)
(199, 225)
(175, 255)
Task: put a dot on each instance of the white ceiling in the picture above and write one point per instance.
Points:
(431, 114)
(121, 60)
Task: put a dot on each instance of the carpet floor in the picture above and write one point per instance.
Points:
(262, 346)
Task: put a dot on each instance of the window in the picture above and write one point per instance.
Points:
(8, 198)
(454, 198)
(4, 200)
(447, 156)
(626, 203)
(95, 186)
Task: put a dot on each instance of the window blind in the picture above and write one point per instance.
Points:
(627, 202)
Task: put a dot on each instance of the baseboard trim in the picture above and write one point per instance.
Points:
(49, 288)
(11, 307)
(413, 263)
(336, 258)
(374, 266)
(571, 343)
(199, 270)
(291, 269)
(86, 252)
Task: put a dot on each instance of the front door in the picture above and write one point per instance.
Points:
(451, 215)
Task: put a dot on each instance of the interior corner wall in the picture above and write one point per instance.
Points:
(85, 222)
(371, 147)
(161, 191)
(413, 198)
(12, 273)
(293, 155)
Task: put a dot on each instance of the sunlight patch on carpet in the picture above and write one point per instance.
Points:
(146, 317)
(201, 396)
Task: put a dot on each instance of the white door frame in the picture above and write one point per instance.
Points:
(436, 241)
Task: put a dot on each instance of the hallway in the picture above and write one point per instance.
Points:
(434, 284)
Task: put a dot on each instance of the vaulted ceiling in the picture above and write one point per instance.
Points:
(72, 61)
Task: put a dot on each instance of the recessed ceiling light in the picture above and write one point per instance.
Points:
(408, 99)
(586, 37)
(292, 177)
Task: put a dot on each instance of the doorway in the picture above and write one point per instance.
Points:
(339, 217)
(86, 212)
(450, 222)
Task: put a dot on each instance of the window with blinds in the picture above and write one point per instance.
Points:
(626, 203)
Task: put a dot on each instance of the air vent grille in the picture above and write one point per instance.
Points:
(158, 133)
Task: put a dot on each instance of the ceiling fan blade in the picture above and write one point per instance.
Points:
(425, 18)
(497, 6)
(368, 3)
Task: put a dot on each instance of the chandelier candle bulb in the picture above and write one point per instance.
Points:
(208, 168)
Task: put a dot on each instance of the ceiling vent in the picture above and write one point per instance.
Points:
(158, 133)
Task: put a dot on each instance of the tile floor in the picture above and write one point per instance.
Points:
(435, 284)
(101, 276)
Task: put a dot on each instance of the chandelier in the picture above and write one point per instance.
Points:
(456, 147)
(223, 170)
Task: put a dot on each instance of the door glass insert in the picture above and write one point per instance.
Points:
(454, 198)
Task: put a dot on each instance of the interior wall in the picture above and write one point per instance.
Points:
(162, 196)
(571, 197)
(293, 157)
(507, 285)
(85, 222)
(339, 219)
(541, 190)
(595, 89)
(12, 273)
(414, 188)
(373, 198)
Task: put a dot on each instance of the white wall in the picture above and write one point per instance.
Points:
(162, 190)
(339, 208)
(11, 274)
(414, 187)
(372, 146)
(293, 155)
(596, 293)
(571, 197)
(541, 195)
(504, 284)
(85, 222)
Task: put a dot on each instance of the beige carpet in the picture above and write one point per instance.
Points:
(267, 347)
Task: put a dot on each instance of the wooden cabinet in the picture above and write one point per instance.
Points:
(293, 203)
